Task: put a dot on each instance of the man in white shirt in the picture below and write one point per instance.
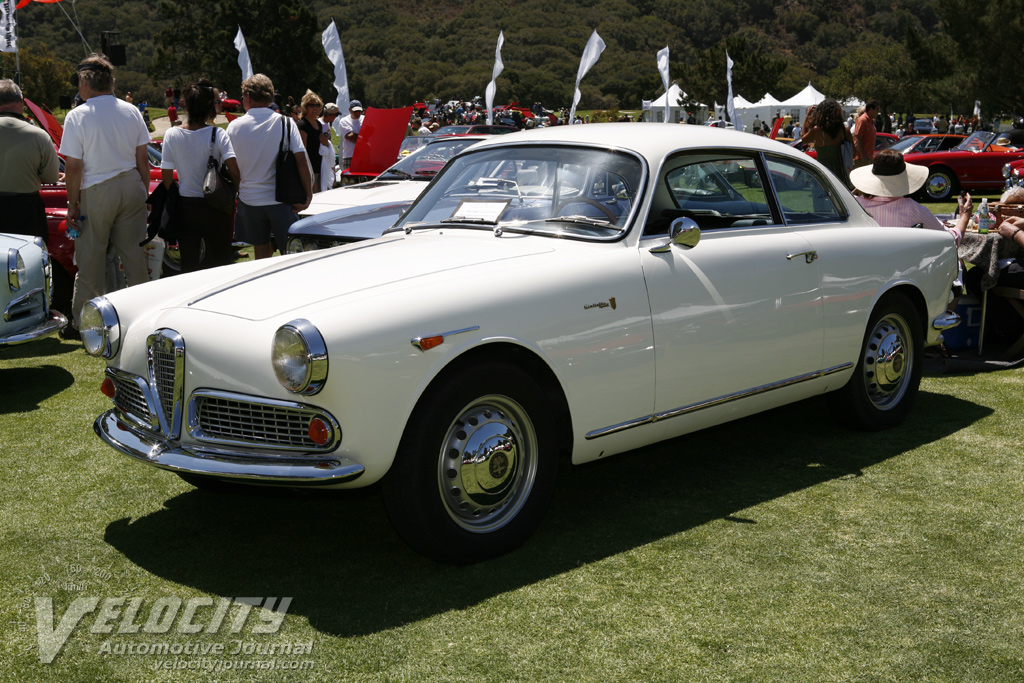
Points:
(257, 138)
(348, 131)
(107, 174)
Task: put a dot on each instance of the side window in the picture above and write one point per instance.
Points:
(719, 191)
(804, 195)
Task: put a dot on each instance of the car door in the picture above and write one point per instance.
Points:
(739, 313)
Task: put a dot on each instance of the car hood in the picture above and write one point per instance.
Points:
(350, 223)
(374, 192)
(389, 263)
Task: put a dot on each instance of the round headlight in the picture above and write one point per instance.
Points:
(100, 328)
(294, 245)
(299, 357)
(15, 270)
(310, 246)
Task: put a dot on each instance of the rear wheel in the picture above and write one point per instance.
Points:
(476, 466)
(884, 384)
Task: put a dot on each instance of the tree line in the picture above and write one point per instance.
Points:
(912, 55)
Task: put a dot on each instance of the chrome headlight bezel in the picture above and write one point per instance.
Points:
(294, 246)
(1006, 170)
(298, 355)
(16, 272)
(100, 328)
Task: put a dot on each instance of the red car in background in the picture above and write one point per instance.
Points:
(882, 141)
(975, 164)
(919, 144)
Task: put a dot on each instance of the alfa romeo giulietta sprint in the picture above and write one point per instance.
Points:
(578, 291)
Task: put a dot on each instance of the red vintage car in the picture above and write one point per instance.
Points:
(975, 164)
(882, 141)
(919, 144)
(1014, 174)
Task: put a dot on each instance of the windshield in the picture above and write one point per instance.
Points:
(976, 142)
(905, 143)
(565, 191)
(428, 160)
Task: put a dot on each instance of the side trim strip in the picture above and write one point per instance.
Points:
(728, 398)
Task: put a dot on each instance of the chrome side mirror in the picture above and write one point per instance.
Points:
(683, 232)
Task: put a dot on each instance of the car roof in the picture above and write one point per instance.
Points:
(652, 140)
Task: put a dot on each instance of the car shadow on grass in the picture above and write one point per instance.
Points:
(24, 389)
(50, 346)
(350, 575)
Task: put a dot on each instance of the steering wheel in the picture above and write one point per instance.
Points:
(586, 200)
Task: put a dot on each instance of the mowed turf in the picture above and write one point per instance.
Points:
(777, 548)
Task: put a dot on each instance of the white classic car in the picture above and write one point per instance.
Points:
(26, 298)
(579, 290)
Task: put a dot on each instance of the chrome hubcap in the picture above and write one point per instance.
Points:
(488, 463)
(938, 185)
(888, 360)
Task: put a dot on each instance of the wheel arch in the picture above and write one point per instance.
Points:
(520, 356)
(916, 298)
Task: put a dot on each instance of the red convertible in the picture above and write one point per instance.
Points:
(975, 164)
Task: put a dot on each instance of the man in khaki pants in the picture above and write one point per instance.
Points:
(107, 174)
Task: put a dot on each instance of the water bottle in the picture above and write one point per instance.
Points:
(72, 232)
(984, 218)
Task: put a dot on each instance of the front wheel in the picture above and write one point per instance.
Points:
(476, 466)
(941, 185)
(884, 384)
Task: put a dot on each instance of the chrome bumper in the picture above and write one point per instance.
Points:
(946, 321)
(265, 468)
(54, 322)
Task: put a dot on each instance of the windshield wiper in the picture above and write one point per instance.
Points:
(580, 220)
(476, 221)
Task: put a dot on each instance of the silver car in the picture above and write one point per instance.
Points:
(27, 295)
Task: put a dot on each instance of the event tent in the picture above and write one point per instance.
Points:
(674, 97)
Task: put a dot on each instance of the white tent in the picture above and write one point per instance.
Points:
(674, 96)
(764, 109)
(797, 105)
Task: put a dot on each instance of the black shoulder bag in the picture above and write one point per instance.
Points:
(289, 189)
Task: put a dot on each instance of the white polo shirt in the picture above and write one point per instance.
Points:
(256, 139)
(103, 132)
(187, 152)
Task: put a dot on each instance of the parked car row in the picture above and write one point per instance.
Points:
(578, 291)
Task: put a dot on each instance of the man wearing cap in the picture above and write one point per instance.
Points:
(885, 185)
(27, 159)
(106, 165)
(348, 131)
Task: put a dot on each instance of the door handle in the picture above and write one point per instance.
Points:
(809, 256)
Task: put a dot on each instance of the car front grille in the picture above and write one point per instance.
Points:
(129, 397)
(215, 417)
(166, 355)
(238, 419)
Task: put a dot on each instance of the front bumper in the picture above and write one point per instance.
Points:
(54, 322)
(264, 468)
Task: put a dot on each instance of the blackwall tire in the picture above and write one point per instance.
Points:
(881, 392)
(476, 467)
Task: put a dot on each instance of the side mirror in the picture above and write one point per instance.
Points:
(683, 232)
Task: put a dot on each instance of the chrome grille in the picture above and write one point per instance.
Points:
(166, 353)
(229, 418)
(129, 398)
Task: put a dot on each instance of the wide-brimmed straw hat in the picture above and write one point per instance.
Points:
(889, 176)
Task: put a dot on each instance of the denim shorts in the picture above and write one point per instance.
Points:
(255, 224)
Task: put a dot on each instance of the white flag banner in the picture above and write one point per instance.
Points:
(663, 70)
(332, 46)
(243, 55)
(977, 111)
(8, 27)
(730, 106)
(591, 53)
(492, 87)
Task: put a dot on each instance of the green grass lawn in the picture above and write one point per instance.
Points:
(779, 548)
